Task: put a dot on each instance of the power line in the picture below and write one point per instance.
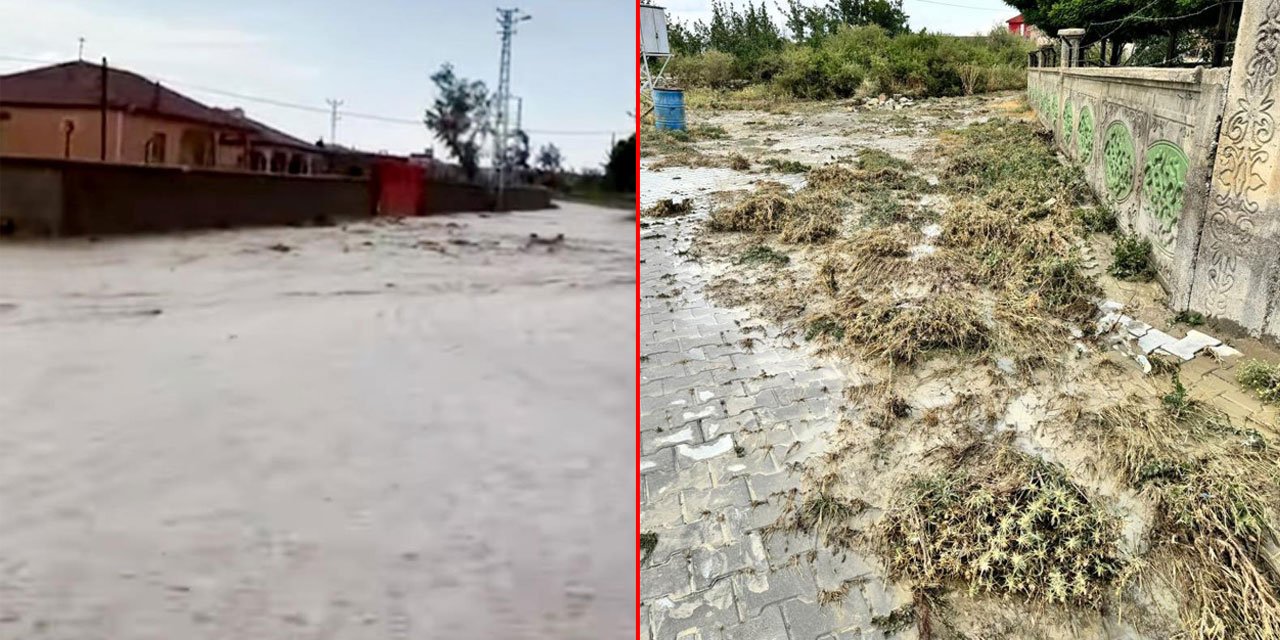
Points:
(323, 110)
(965, 6)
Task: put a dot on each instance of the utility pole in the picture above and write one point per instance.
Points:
(102, 142)
(80, 55)
(333, 119)
(507, 19)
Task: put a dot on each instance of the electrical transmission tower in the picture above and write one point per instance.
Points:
(507, 19)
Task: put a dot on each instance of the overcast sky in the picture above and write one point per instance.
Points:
(574, 63)
(960, 17)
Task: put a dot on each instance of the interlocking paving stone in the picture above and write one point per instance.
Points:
(719, 415)
(766, 626)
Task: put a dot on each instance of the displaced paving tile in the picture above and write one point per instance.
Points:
(1187, 347)
(1223, 351)
(1153, 340)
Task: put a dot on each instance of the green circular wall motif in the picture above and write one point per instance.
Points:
(1084, 134)
(1068, 124)
(1164, 178)
(1119, 156)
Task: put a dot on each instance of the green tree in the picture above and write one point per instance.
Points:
(1120, 21)
(459, 117)
(620, 171)
(812, 23)
(549, 158)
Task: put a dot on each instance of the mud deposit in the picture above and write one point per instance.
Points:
(809, 343)
(383, 430)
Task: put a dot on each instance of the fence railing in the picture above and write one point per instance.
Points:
(1163, 45)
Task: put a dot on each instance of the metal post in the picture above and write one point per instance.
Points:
(103, 142)
(333, 119)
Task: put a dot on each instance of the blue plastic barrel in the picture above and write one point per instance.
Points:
(669, 107)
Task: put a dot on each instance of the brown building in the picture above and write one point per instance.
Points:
(57, 112)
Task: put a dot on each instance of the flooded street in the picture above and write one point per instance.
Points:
(381, 430)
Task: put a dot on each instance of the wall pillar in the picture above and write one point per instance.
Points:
(1237, 269)
(1070, 46)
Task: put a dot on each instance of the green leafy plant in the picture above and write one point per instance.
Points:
(761, 254)
(1096, 219)
(1132, 259)
(1192, 318)
(1262, 378)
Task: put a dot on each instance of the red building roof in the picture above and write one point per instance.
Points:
(79, 84)
(1018, 19)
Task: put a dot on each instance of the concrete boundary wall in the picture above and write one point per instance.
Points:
(1189, 158)
(1144, 138)
(57, 197)
(1236, 273)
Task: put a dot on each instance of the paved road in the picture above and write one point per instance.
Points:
(721, 424)
(412, 430)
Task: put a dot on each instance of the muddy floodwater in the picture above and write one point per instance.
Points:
(378, 430)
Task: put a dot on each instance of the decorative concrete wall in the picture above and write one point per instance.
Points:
(1236, 274)
(1144, 139)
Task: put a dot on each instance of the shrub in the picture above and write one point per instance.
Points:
(1132, 259)
(1096, 219)
(1262, 378)
(714, 69)
(1016, 526)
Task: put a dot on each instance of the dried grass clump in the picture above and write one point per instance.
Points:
(667, 208)
(798, 218)
(1261, 378)
(1216, 490)
(877, 175)
(833, 176)
(881, 243)
(1010, 525)
(821, 513)
(903, 332)
(1011, 162)
(1038, 259)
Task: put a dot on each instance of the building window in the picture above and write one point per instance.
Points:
(279, 162)
(257, 161)
(296, 165)
(196, 149)
(155, 148)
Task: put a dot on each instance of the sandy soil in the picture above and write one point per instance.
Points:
(415, 430)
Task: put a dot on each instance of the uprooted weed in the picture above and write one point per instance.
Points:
(1216, 489)
(821, 513)
(903, 332)
(876, 171)
(762, 254)
(1011, 165)
(1006, 276)
(1035, 258)
(1009, 525)
(666, 208)
(804, 216)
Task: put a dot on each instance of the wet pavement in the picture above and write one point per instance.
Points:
(372, 431)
